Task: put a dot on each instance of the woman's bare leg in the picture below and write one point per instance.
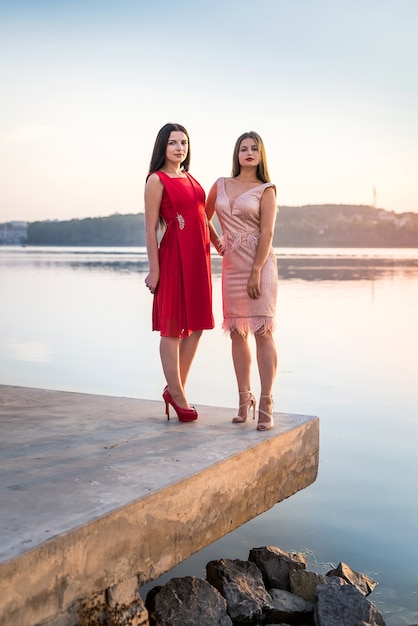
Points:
(169, 353)
(267, 367)
(241, 357)
(188, 347)
(177, 357)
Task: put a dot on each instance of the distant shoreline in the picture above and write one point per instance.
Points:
(311, 226)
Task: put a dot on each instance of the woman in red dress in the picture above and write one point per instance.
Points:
(179, 267)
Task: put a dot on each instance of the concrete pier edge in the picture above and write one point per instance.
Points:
(122, 493)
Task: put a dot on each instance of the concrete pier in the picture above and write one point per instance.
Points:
(96, 490)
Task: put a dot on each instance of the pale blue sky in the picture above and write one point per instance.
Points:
(331, 85)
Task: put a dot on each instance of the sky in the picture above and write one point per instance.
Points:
(85, 85)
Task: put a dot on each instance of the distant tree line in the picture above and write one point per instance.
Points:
(334, 225)
(115, 230)
(330, 225)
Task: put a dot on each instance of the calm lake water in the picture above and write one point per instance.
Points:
(79, 319)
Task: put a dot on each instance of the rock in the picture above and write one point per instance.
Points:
(241, 584)
(344, 605)
(127, 616)
(125, 605)
(288, 606)
(120, 605)
(123, 593)
(276, 564)
(187, 601)
(304, 583)
(364, 584)
(235, 592)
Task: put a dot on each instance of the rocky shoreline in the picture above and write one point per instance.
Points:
(271, 587)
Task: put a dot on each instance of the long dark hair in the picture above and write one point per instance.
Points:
(160, 148)
(262, 169)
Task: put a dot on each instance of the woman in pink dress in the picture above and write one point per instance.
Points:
(246, 208)
(179, 266)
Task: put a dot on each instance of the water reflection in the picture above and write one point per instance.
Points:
(79, 319)
(346, 269)
(293, 263)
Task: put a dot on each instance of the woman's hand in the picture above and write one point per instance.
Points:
(220, 246)
(253, 284)
(152, 280)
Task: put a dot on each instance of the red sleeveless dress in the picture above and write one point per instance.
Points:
(183, 300)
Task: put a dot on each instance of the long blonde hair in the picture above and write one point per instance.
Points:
(262, 169)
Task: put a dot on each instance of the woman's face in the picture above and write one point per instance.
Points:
(177, 147)
(248, 153)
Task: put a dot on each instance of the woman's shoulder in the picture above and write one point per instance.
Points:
(218, 184)
(154, 178)
(268, 185)
(157, 175)
(194, 182)
(189, 176)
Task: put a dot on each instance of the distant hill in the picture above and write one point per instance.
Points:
(326, 225)
(339, 225)
(115, 230)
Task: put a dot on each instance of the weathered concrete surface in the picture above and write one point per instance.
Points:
(97, 489)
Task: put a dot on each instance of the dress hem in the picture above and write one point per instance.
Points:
(245, 325)
(182, 334)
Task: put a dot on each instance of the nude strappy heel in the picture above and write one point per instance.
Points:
(250, 402)
(270, 423)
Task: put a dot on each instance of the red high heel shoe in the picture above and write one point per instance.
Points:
(184, 415)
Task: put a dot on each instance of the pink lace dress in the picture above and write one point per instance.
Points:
(240, 223)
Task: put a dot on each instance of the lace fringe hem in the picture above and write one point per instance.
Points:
(245, 325)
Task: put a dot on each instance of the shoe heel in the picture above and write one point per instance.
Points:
(167, 410)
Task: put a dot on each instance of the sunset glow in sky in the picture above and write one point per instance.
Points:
(331, 86)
